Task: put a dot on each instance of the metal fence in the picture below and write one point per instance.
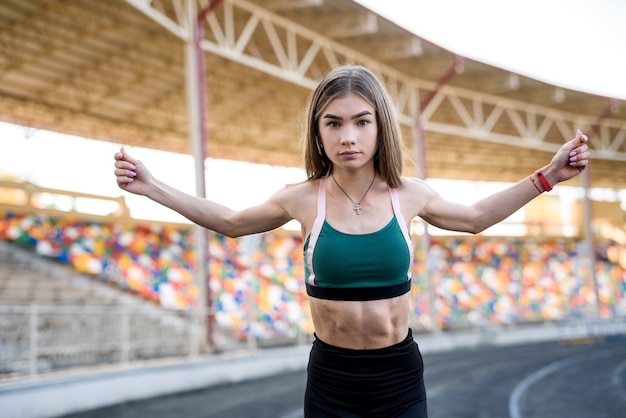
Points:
(38, 339)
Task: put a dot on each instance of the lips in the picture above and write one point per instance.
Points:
(349, 153)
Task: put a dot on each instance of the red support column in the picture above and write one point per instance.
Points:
(419, 145)
(588, 208)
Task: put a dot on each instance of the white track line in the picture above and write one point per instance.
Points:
(298, 413)
(616, 379)
(520, 390)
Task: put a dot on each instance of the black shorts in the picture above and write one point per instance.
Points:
(386, 382)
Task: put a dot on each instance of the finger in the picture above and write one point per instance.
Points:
(123, 155)
(581, 165)
(578, 158)
(119, 155)
(123, 172)
(580, 137)
(123, 160)
(580, 149)
(124, 180)
(125, 176)
(127, 156)
(125, 165)
(578, 153)
(577, 144)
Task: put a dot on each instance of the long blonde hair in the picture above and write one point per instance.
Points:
(340, 82)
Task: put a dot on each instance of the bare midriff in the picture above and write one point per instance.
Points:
(361, 325)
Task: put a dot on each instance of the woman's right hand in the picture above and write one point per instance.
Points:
(131, 174)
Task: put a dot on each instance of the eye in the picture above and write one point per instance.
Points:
(332, 124)
(363, 122)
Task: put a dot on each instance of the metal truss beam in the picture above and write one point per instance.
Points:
(34, 42)
(253, 36)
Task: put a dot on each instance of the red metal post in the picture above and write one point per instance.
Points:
(419, 144)
(588, 207)
(202, 107)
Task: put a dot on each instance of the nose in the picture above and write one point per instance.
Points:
(348, 136)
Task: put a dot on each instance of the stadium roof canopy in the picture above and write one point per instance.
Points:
(116, 71)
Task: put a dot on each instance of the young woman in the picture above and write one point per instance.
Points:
(355, 210)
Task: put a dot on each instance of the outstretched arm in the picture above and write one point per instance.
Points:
(133, 176)
(569, 161)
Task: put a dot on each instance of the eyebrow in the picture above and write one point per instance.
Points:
(358, 115)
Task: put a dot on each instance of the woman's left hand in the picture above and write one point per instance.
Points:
(570, 159)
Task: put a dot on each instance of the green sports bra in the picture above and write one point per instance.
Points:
(342, 266)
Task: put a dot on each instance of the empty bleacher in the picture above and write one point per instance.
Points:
(58, 318)
(78, 290)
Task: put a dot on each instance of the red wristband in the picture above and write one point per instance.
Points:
(532, 180)
(543, 180)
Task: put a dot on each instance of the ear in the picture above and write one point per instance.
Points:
(320, 146)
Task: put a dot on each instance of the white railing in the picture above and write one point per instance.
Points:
(38, 339)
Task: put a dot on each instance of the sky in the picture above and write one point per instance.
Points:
(578, 44)
(570, 43)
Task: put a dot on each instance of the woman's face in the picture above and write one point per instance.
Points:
(349, 131)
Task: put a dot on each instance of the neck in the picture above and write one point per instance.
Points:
(355, 181)
(356, 204)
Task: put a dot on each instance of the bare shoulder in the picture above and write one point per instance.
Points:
(412, 185)
(414, 194)
(297, 190)
(295, 197)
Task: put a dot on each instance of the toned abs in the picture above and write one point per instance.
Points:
(361, 325)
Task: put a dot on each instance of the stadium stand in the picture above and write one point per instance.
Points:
(83, 291)
(102, 283)
(77, 321)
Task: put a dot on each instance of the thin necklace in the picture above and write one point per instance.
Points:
(357, 205)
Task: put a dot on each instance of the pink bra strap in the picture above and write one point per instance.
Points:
(395, 203)
(317, 227)
(321, 200)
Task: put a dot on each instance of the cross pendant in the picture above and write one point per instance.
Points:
(357, 208)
